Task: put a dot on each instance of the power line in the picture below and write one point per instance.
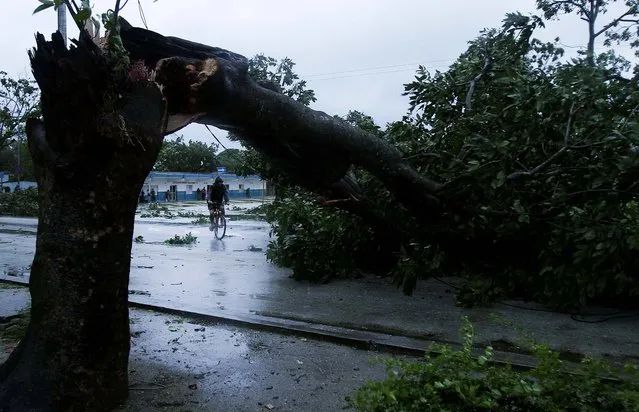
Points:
(376, 68)
(373, 73)
(211, 131)
(597, 46)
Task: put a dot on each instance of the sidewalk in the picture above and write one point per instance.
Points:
(231, 280)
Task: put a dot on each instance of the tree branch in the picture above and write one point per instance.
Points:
(617, 21)
(581, 7)
(73, 10)
(564, 148)
(475, 80)
(423, 154)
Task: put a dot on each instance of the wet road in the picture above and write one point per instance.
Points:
(181, 364)
(231, 277)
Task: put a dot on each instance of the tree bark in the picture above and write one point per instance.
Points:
(92, 153)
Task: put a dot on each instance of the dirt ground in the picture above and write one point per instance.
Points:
(178, 364)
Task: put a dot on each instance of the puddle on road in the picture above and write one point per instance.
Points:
(217, 246)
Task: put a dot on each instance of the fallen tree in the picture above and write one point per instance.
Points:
(211, 86)
(538, 161)
(92, 154)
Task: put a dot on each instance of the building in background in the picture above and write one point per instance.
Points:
(5, 182)
(180, 186)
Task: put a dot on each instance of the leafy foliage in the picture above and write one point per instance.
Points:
(458, 381)
(620, 29)
(19, 99)
(230, 158)
(21, 203)
(303, 232)
(280, 75)
(12, 161)
(192, 157)
(545, 157)
(539, 160)
(187, 239)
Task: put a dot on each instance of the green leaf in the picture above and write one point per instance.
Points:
(45, 5)
(83, 15)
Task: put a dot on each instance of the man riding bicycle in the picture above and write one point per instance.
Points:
(218, 195)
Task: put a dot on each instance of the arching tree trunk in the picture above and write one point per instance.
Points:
(92, 154)
(210, 85)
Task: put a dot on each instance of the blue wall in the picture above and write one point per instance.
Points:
(233, 194)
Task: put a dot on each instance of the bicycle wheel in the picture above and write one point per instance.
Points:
(216, 224)
(212, 219)
(220, 228)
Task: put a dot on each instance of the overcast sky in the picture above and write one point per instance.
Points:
(355, 54)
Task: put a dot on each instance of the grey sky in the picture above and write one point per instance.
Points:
(342, 48)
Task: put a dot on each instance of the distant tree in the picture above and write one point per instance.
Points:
(18, 101)
(9, 160)
(363, 121)
(191, 157)
(618, 29)
(281, 76)
(230, 158)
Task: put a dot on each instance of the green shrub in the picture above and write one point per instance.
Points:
(201, 220)
(21, 203)
(13, 328)
(187, 239)
(457, 381)
(317, 243)
(539, 179)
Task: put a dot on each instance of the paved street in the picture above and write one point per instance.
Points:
(231, 278)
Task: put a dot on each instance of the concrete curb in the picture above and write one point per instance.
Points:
(361, 339)
(366, 340)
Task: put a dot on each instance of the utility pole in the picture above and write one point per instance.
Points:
(62, 22)
(19, 169)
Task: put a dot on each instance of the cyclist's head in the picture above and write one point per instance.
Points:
(219, 180)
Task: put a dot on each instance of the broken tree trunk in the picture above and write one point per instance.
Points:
(210, 85)
(92, 153)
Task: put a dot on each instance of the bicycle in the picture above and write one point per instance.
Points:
(218, 221)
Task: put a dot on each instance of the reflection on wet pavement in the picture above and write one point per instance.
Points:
(211, 367)
(218, 245)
